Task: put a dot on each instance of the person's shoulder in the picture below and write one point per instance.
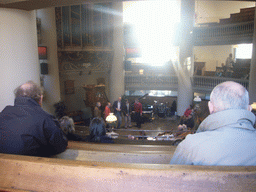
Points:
(8, 109)
(196, 139)
(196, 142)
(189, 140)
(44, 113)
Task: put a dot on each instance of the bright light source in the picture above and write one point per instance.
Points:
(153, 23)
(244, 51)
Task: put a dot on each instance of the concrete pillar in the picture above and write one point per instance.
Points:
(185, 91)
(18, 52)
(117, 71)
(51, 81)
(252, 78)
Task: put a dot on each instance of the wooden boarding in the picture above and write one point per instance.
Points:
(49, 174)
(11, 190)
(121, 147)
(116, 157)
(118, 153)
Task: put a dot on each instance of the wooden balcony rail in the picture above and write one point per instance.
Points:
(224, 34)
(161, 82)
(208, 83)
(199, 83)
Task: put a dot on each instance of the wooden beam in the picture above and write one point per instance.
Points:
(49, 174)
(121, 147)
(29, 5)
(11, 190)
(116, 157)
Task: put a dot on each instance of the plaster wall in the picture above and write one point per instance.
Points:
(50, 81)
(75, 101)
(18, 52)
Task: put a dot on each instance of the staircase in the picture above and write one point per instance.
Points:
(234, 30)
(245, 15)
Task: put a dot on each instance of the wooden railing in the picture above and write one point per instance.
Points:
(208, 83)
(161, 82)
(108, 167)
(224, 34)
(199, 83)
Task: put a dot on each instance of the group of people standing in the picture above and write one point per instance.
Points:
(125, 109)
(121, 108)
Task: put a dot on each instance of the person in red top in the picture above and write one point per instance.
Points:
(107, 110)
(138, 112)
(188, 111)
(187, 118)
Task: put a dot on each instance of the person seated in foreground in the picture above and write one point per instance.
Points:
(181, 133)
(26, 129)
(227, 136)
(181, 129)
(187, 119)
(188, 111)
(97, 131)
(68, 127)
(187, 122)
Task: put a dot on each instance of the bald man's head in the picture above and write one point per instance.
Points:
(228, 95)
(29, 89)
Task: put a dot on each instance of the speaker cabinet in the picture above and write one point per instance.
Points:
(127, 65)
(44, 68)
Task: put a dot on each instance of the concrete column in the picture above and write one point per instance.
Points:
(117, 71)
(51, 81)
(252, 78)
(18, 52)
(185, 91)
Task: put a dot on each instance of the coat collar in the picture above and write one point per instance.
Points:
(25, 101)
(238, 118)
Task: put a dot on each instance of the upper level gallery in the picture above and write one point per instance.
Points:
(85, 39)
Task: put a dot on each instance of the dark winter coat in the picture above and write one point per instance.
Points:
(26, 129)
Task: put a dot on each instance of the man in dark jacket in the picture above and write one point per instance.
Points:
(26, 129)
(117, 106)
(126, 109)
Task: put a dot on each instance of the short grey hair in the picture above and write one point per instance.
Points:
(29, 89)
(229, 95)
(67, 124)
